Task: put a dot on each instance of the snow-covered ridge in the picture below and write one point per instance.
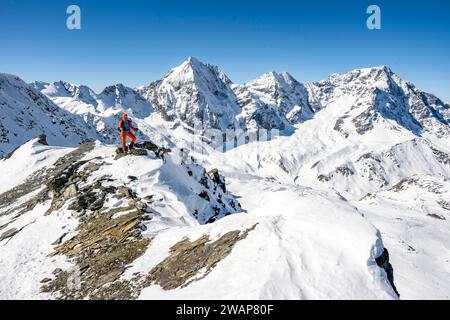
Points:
(201, 95)
(88, 203)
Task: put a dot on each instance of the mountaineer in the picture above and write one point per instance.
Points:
(125, 127)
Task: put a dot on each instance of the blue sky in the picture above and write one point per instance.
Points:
(135, 42)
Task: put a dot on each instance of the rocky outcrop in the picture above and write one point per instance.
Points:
(187, 258)
(141, 149)
(383, 262)
(101, 250)
(46, 179)
(343, 171)
(218, 179)
(106, 241)
(214, 201)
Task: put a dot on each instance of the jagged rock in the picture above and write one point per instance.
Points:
(444, 204)
(383, 262)
(101, 250)
(45, 176)
(70, 192)
(160, 152)
(436, 216)
(42, 139)
(9, 234)
(147, 145)
(135, 152)
(218, 179)
(188, 258)
(204, 195)
(124, 192)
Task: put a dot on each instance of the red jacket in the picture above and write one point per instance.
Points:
(127, 128)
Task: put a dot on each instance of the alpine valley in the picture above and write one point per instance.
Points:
(349, 200)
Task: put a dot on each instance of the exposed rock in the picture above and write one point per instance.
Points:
(134, 152)
(383, 262)
(12, 232)
(204, 195)
(147, 145)
(343, 171)
(428, 185)
(103, 246)
(441, 156)
(124, 192)
(42, 139)
(436, 216)
(217, 179)
(54, 177)
(444, 204)
(8, 234)
(339, 127)
(70, 192)
(160, 152)
(64, 187)
(188, 258)
(101, 250)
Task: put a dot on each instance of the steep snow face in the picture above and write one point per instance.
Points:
(291, 243)
(199, 94)
(413, 217)
(25, 113)
(196, 93)
(274, 101)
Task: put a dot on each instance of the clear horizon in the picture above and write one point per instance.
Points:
(136, 42)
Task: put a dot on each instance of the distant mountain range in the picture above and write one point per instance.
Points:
(362, 163)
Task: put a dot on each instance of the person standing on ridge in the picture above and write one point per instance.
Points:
(125, 127)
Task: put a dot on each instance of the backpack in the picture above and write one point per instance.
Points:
(125, 125)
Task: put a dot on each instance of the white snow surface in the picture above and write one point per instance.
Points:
(301, 247)
(363, 163)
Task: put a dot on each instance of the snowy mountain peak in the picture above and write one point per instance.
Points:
(274, 79)
(119, 98)
(196, 93)
(193, 70)
(117, 89)
(373, 76)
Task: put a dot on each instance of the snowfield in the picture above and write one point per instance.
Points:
(361, 164)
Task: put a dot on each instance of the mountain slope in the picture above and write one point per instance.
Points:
(379, 96)
(92, 209)
(358, 148)
(414, 218)
(101, 111)
(195, 93)
(274, 101)
(25, 113)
